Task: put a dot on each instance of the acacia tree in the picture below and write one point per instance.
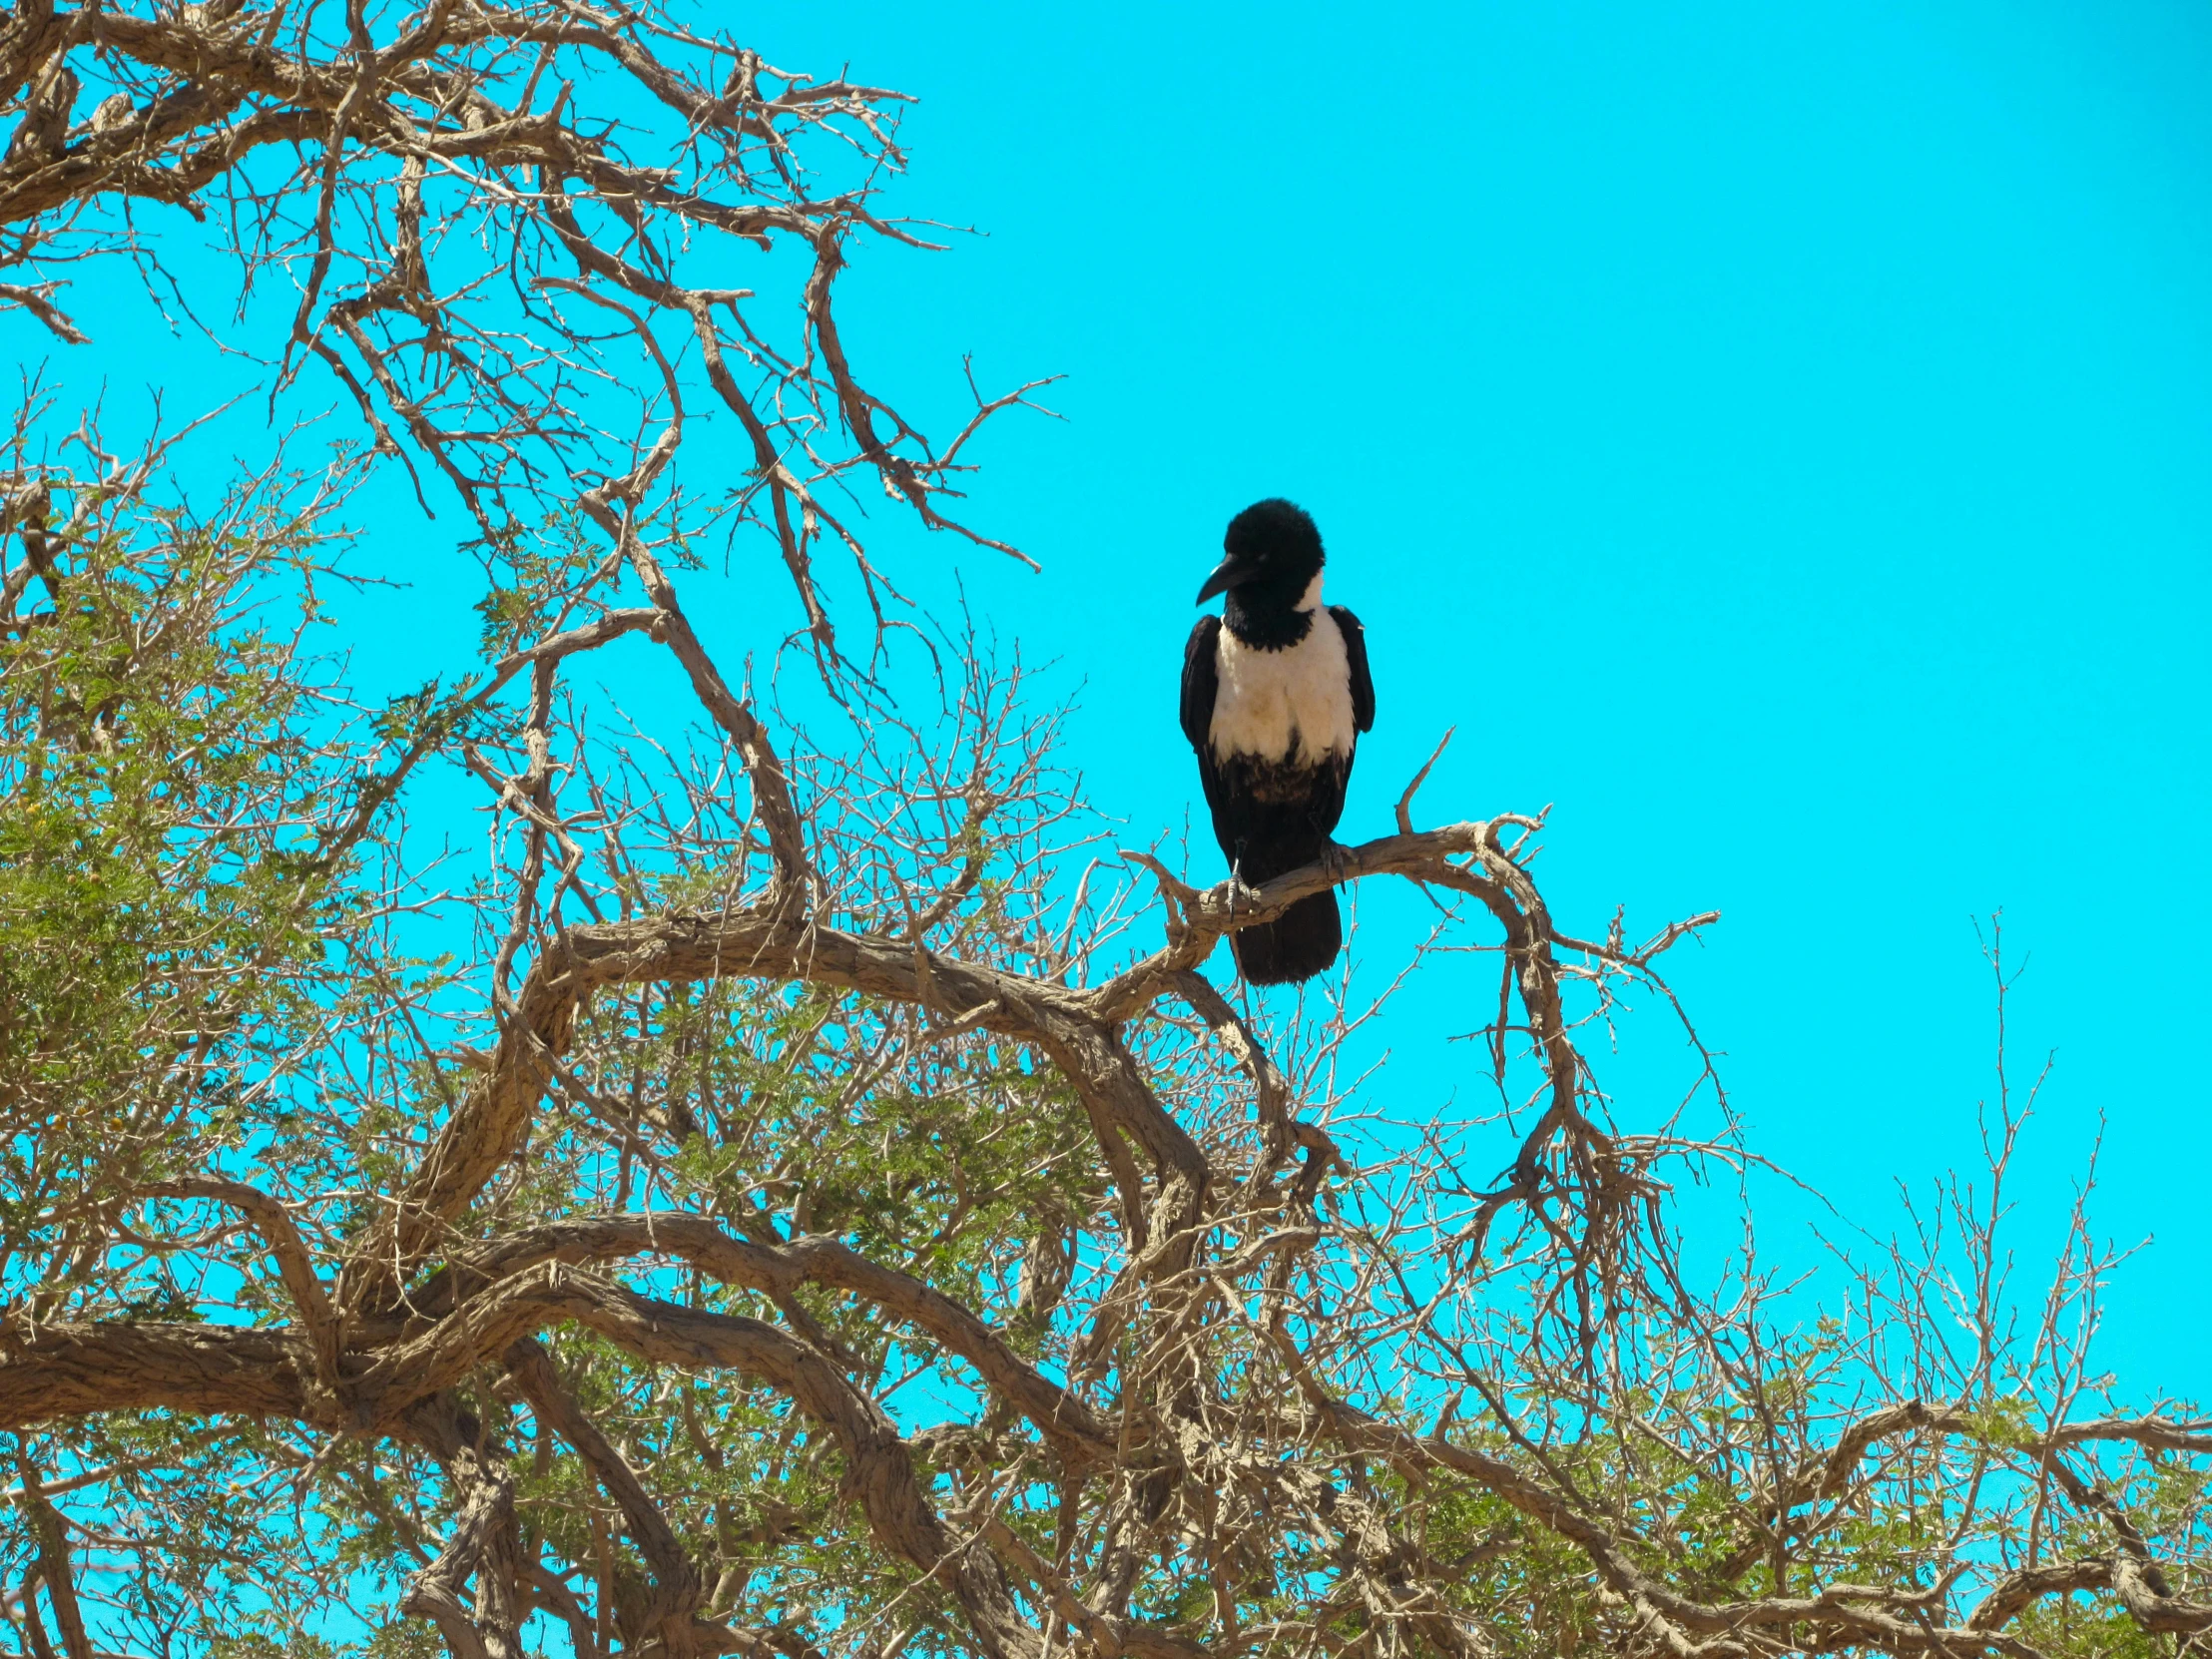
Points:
(789, 1193)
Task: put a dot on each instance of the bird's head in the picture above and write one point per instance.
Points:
(1273, 556)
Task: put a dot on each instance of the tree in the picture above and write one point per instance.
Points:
(785, 1200)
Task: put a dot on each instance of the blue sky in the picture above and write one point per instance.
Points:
(1776, 436)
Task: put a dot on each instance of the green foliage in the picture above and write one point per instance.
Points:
(405, 1639)
(167, 876)
(530, 576)
(201, 975)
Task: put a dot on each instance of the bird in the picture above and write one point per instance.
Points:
(1276, 691)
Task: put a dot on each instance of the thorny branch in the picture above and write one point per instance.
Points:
(781, 1201)
(1248, 1247)
(457, 218)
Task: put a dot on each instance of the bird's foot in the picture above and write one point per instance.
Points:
(1338, 863)
(1241, 887)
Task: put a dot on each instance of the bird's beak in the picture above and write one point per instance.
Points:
(1228, 574)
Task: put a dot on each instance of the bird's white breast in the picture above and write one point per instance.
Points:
(1267, 700)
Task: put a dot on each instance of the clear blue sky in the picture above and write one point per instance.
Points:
(1779, 436)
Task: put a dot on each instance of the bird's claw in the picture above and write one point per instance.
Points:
(1336, 862)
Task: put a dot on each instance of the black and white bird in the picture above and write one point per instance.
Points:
(1276, 693)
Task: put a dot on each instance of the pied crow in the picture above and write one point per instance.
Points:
(1276, 693)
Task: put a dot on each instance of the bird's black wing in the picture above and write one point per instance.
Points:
(1356, 655)
(1200, 681)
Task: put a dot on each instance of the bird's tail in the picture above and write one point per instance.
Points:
(1296, 945)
